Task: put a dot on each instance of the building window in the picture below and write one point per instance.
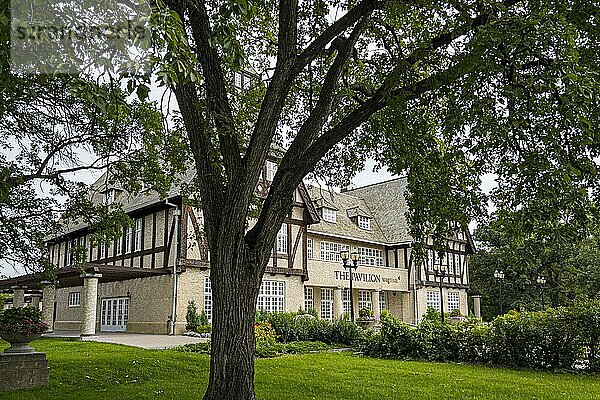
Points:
(329, 215)
(370, 257)
(138, 234)
(282, 240)
(309, 248)
(271, 296)
(271, 170)
(74, 299)
(103, 250)
(119, 246)
(309, 299)
(364, 299)
(364, 222)
(207, 298)
(434, 258)
(433, 300)
(109, 196)
(453, 301)
(346, 300)
(326, 304)
(331, 251)
(383, 301)
(128, 235)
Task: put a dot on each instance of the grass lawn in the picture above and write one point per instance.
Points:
(87, 370)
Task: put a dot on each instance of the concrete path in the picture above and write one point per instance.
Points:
(145, 341)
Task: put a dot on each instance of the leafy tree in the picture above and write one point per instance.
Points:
(52, 128)
(443, 91)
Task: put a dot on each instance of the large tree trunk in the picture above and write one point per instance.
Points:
(234, 292)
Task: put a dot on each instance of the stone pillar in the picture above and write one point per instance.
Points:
(477, 306)
(48, 291)
(375, 304)
(35, 300)
(89, 301)
(18, 296)
(338, 310)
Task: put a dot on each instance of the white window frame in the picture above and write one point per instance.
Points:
(453, 301)
(309, 248)
(208, 309)
(365, 299)
(330, 251)
(346, 300)
(329, 215)
(282, 239)
(271, 296)
(119, 246)
(128, 239)
(103, 250)
(138, 235)
(271, 170)
(309, 298)
(109, 196)
(74, 299)
(364, 222)
(326, 309)
(370, 257)
(433, 299)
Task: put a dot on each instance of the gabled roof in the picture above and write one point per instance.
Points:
(344, 225)
(387, 203)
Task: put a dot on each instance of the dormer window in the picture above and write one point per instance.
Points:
(110, 195)
(241, 80)
(329, 215)
(364, 222)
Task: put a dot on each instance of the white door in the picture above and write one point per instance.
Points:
(115, 313)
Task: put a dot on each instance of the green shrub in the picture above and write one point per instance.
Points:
(264, 332)
(191, 316)
(345, 332)
(205, 328)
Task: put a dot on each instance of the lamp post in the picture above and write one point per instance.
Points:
(541, 281)
(351, 266)
(499, 275)
(440, 272)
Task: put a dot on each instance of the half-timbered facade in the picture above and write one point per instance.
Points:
(129, 284)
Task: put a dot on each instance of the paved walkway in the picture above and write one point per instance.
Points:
(145, 341)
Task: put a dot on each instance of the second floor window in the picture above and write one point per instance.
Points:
(128, 235)
(138, 234)
(370, 257)
(309, 248)
(331, 251)
(282, 240)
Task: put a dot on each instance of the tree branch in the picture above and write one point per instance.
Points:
(216, 91)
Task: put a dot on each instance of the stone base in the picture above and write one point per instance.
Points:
(23, 371)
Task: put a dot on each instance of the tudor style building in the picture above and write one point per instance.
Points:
(129, 285)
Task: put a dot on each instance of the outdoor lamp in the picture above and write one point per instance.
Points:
(354, 257)
(499, 275)
(344, 255)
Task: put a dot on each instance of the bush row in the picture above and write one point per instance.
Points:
(293, 327)
(561, 338)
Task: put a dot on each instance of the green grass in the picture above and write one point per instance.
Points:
(87, 370)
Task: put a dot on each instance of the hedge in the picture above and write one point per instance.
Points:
(561, 338)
